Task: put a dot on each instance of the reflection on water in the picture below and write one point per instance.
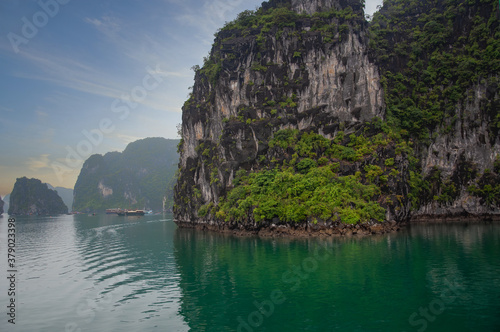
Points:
(377, 283)
(105, 273)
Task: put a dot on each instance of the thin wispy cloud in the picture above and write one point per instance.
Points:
(129, 41)
(75, 84)
(106, 24)
(66, 79)
(7, 122)
(61, 98)
(47, 136)
(127, 138)
(69, 73)
(6, 109)
(220, 9)
(41, 114)
(212, 16)
(37, 163)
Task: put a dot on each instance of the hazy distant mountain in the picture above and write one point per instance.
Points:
(31, 196)
(6, 201)
(65, 193)
(137, 178)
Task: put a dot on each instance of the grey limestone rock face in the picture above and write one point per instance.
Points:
(259, 81)
(468, 143)
(289, 77)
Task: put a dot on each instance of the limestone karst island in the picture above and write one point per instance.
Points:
(247, 166)
(305, 115)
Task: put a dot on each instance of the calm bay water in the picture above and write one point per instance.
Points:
(109, 273)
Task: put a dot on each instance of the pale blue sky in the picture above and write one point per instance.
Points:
(68, 68)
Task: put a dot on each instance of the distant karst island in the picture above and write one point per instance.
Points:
(32, 197)
(140, 177)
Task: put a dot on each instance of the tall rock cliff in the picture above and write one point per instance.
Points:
(1, 205)
(289, 84)
(136, 178)
(32, 197)
(441, 72)
(304, 113)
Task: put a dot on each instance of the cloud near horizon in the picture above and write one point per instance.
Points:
(65, 80)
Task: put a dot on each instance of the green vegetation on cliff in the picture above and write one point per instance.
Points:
(257, 35)
(275, 20)
(32, 197)
(136, 178)
(296, 197)
(347, 179)
(439, 64)
(439, 60)
(431, 53)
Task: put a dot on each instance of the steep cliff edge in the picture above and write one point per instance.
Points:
(291, 123)
(32, 197)
(288, 91)
(441, 70)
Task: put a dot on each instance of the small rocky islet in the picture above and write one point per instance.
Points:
(32, 197)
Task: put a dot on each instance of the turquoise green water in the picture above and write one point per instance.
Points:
(106, 273)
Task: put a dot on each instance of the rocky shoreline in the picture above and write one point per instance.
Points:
(337, 229)
(280, 89)
(455, 218)
(295, 230)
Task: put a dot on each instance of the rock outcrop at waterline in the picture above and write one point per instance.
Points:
(292, 121)
(270, 229)
(32, 197)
